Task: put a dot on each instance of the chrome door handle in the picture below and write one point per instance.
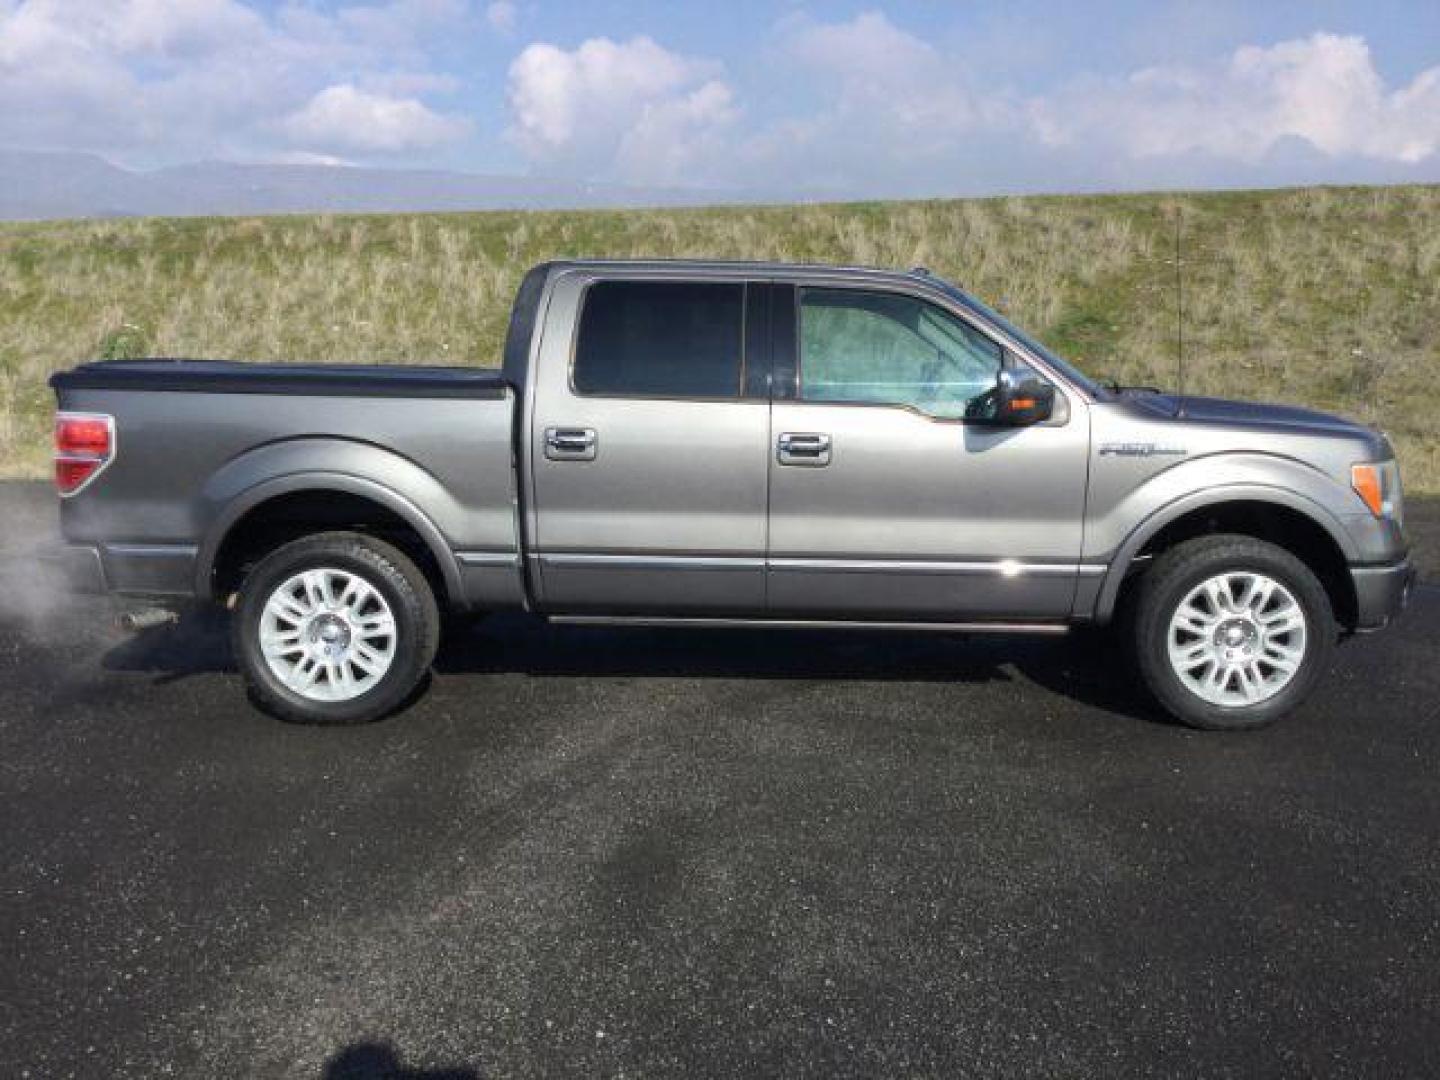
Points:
(806, 448)
(570, 444)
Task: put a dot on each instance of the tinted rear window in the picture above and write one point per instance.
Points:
(660, 339)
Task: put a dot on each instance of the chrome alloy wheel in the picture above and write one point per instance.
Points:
(328, 635)
(1237, 639)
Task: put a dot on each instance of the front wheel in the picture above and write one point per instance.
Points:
(335, 628)
(1231, 632)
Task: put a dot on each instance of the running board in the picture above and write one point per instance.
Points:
(811, 624)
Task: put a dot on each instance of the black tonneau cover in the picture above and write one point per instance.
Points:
(320, 380)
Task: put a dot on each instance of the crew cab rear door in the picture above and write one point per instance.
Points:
(649, 446)
(885, 501)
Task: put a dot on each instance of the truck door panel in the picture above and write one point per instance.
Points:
(649, 463)
(885, 501)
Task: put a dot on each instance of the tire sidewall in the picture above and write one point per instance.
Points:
(357, 557)
(1154, 627)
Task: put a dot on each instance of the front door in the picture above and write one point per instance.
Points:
(885, 501)
(648, 452)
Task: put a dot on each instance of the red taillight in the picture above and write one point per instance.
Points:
(84, 445)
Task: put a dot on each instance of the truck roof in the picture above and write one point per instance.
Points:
(732, 266)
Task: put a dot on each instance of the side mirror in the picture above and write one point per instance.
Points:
(1022, 397)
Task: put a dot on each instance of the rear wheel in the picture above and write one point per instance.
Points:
(336, 628)
(1231, 632)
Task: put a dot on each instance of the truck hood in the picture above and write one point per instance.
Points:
(1276, 417)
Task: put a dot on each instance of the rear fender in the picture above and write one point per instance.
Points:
(338, 465)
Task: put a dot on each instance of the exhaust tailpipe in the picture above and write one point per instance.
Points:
(133, 622)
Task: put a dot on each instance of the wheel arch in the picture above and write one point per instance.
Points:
(1288, 518)
(240, 515)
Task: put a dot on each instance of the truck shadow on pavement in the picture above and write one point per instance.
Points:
(379, 1061)
(1081, 666)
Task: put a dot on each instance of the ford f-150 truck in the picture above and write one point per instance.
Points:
(709, 443)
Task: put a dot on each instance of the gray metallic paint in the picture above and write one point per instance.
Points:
(913, 519)
(670, 479)
(237, 456)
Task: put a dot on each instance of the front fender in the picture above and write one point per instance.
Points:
(1115, 536)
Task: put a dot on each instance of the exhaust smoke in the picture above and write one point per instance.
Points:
(36, 604)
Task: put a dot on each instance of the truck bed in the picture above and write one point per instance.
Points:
(191, 457)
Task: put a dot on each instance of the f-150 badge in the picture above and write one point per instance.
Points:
(1141, 449)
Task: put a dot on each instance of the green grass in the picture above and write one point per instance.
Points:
(1328, 297)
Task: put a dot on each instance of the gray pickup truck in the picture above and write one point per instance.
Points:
(723, 444)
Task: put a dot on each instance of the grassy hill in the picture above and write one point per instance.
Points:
(1328, 297)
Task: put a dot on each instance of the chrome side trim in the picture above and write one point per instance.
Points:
(809, 624)
(152, 551)
(1003, 567)
(651, 562)
(488, 558)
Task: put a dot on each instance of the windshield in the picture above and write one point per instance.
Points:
(1069, 370)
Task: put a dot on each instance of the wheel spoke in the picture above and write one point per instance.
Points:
(375, 626)
(1285, 623)
(1195, 650)
(1221, 599)
(314, 583)
(1250, 681)
(1191, 618)
(303, 674)
(281, 644)
(354, 589)
(284, 605)
(1258, 596)
(367, 659)
(1279, 662)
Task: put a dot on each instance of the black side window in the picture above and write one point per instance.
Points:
(660, 339)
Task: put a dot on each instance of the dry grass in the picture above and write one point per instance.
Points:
(1329, 297)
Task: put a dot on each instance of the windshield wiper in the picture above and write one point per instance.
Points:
(1118, 388)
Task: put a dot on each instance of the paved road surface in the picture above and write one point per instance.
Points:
(592, 852)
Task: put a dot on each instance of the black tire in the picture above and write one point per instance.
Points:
(384, 568)
(1159, 593)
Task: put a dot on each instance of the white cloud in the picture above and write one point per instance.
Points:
(151, 81)
(346, 117)
(630, 110)
(890, 96)
(1323, 90)
(162, 29)
(868, 55)
(866, 107)
(305, 157)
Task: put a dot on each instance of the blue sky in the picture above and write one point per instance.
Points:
(868, 99)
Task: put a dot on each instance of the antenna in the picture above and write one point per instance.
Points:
(1179, 309)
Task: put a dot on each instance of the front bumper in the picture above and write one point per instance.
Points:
(1381, 592)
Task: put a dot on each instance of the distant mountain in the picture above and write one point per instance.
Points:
(35, 184)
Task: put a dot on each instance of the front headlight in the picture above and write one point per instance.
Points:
(1378, 485)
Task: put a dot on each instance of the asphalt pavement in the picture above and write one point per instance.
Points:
(642, 853)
